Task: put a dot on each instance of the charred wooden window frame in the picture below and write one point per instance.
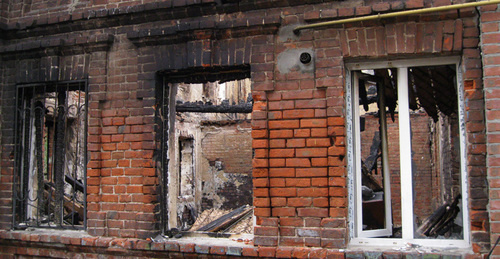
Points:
(18, 203)
(354, 194)
(163, 121)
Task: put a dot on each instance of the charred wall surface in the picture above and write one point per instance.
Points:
(299, 164)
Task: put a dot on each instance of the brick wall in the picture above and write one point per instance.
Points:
(298, 124)
(490, 46)
(230, 180)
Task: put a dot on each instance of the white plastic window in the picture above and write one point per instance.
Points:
(407, 153)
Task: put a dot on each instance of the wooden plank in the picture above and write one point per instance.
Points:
(226, 220)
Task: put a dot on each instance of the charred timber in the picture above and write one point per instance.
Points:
(225, 107)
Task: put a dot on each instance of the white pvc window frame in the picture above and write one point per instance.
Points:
(359, 236)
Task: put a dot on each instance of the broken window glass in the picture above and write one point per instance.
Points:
(50, 156)
(408, 154)
(207, 155)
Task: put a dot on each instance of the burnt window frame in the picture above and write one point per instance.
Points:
(27, 92)
(163, 102)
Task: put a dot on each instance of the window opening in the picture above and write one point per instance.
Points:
(206, 149)
(50, 155)
(408, 153)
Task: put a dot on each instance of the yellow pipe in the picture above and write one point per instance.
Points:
(395, 14)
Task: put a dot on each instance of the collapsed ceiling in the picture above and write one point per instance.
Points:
(432, 88)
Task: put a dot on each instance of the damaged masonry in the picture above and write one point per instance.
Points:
(252, 128)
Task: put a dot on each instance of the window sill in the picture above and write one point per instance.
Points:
(407, 248)
(236, 245)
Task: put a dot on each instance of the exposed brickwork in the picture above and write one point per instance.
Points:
(299, 164)
(490, 46)
(13, 244)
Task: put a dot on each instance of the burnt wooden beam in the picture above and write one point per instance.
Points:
(226, 220)
(441, 220)
(70, 204)
(211, 108)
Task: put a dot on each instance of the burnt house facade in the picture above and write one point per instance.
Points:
(278, 128)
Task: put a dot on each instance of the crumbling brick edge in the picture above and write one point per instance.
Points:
(19, 242)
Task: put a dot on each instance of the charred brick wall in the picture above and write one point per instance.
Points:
(300, 192)
(227, 149)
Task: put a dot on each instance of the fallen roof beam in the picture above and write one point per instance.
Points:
(226, 220)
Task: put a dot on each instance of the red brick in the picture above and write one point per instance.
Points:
(298, 182)
(295, 143)
(267, 251)
(319, 182)
(260, 172)
(312, 103)
(312, 212)
(312, 123)
(281, 105)
(278, 202)
(276, 162)
(277, 182)
(298, 113)
(260, 143)
(312, 192)
(283, 192)
(319, 161)
(298, 162)
(319, 132)
(284, 252)
(311, 172)
(277, 143)
(260, 182)
(302, 133)
(283, 212)
(298, 94)
(263, 212)
(318, 142)
(282, 172)
(281, 133)
(284, 124)
(287, 85)
(250, 251)
(299, 202)
(265, 231)
(311, 152)
(275, 115)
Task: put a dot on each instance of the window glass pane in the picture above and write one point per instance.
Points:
(379, 142)
(435, 147)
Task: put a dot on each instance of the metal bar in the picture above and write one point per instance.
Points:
(59, 148)
(394, 14)
(16, 159)
(85, 155)
(39, 119)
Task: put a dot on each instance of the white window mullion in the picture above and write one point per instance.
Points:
(357, 151)
(405, 155)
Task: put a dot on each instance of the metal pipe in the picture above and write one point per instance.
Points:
(395, 14)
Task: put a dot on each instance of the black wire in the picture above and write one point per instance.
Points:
(493, 248)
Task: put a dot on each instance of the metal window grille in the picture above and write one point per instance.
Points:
(50, 155)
